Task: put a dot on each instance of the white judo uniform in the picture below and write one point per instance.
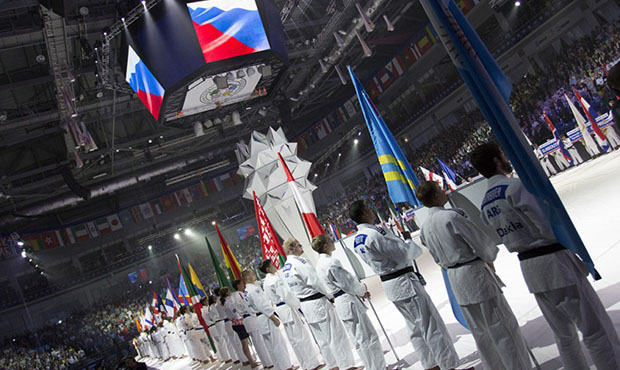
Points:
(612, 136)
(556, 278)
(319, 313)
(346, 290)
(212, 319)
(545, 163)
(391, 258)
(159, 339)
(183, 331)
(231, 338)
(173, 339)
(273, 338)
(459, 246)
(252, 326)
(560, 160)
(287, 306)
(592, 149)
(573, 151)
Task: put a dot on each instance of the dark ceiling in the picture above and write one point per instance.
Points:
(37, 157)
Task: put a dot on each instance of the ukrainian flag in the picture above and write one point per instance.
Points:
(399, 176)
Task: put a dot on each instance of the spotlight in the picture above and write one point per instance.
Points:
(59, 322)
(20, 243)
(23, 254)
(150, 281)
(327, 165)
(29, 259)
(339, 155)
(123, 19)
(213, 223)
(316, 174)
(359, 133)
(150, 141)
(150, 247)
(180, 229)
(36, 266)
(355, 141)
(517, 3)
(177, 236)
(41, 272)
(188, 232)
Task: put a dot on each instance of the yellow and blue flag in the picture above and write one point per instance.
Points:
(399, 177)
(196, 282)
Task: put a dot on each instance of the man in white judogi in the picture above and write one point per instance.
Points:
(267, 320)
(555, 276)
(391, 258)
(173, 339)
(467, 253)
(287, 306)
(316, 307)
(560, 160)
(251, 324)
(568, 144)
(347, 290)
(544, 162)
(612, 136)
(212, 319)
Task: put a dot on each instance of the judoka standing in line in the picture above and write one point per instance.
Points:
(180, 323)
(287, 307)
(159, 338)
(317, 308)
(555, 275)
(347, 291)
(173, 339)
(251, 324)
(267, 320)
(568, 144)
(212, 319)
(467, 252)
(544, 162)
(391, 258)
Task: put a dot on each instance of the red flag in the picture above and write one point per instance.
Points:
(597, 130)
(231, 261)
(272, 249)
(310, 219)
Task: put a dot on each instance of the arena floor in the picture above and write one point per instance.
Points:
(590, 195)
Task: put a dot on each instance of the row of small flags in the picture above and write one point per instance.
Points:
(107, 224)
(386, 76)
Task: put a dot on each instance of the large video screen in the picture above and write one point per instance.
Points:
(142, 81)
(204, 95)
(228, 28)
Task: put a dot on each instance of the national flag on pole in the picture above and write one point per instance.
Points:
(558, 140)
(591, 114)
(148, 317)
(183, 294)
(581, 123)
(195, 299)
(394, 216)
(309, 216)
(399, 176)
(270, 244)
(335, 232)
(231, 262)
(172, 300)
(432, 176)
(155, 304)
(222, 279)
(138, 326)
(491, 90)
(448, 173)
(192, 274)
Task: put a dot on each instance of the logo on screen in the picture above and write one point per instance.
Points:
(142, 81)
(228, 28)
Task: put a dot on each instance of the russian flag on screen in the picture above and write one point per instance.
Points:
(228, 28)
(142, 81)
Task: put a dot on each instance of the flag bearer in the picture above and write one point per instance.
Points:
(267, 320)
(555, 275)
(347, 291)
(316, 306)
(391, 258)
(467, 253)
(287, 308)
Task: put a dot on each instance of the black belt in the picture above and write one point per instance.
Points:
(280, 304)
(541, 251)
(338, 293)
(395, 274)
(313, 297)
(464, 263)
(245, 316)
(226, 320)
(258, 314)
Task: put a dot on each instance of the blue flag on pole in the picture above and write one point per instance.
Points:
(447, 170)
(491, 89)
(183, 293)
(400, 179)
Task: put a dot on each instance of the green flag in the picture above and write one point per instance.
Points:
(222, 280)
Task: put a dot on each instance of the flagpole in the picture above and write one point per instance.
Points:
(387, 337)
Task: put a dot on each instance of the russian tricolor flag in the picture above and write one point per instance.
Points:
(142, 81)
(228, 28)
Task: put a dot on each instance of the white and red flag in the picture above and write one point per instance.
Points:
(590, 113)
(432, 176)
(308, 215)
(272, 249)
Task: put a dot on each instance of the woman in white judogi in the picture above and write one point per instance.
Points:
(173, 339)
(347, 291)
(211, 318)
(159, 339)
(287, 307)
(467, 252)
